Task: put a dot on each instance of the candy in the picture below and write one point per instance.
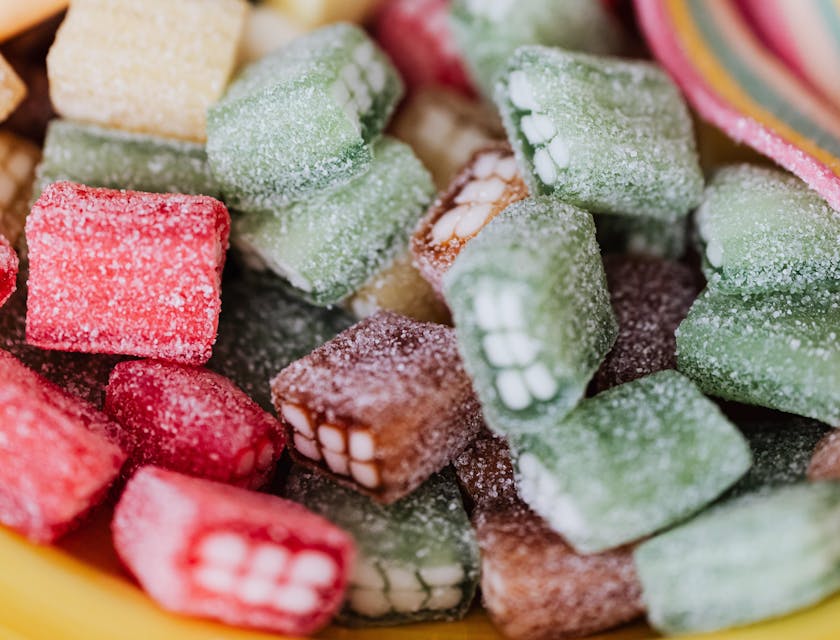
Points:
(19, 16)
(650, 297)
(418, 558)
(12, 89)
(8, 270)
(42, 498)
(192, 421)
(607, 135)
(146, 271)
(488, 32)
(485, 471)
(206, 549)
(532, 312)
(316, 12)
(17, 171)
(759, 556)
(483, 189)
(764, 230)
(825, 462)
(301, 119)
(330, 244)
(641, 235)
(630, 461)
(266, 31)
(381, 407)
(779, 351)
(110, 158)
(111, 57)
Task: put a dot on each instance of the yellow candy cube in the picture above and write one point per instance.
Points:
(19, 15)
(151, 67)
(12, 89)
(18, 159)
(317, 12)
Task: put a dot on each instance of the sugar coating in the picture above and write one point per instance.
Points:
(146, 267)
(489, 31)
(532, 313)
(640, 235)
(266, 30)
(8, 270)
(426, 536)
(630, 461)
(301, 119)
(111, 57)
(317, 12)
(12, 89)
(43, 501)
(765, 230)
(779, 350)
(100, 157)
(536, 587)
(332, 243)
(485, 471)
(824, 463)
(650, 297)
(18, 158)
(617, 136)
(756, 557)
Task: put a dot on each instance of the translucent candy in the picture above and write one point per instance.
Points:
(756, 557)
(532, 313)
(111, 158)
(8, 270)
(780, 351)
(125, 272)
(330, 244)
(17, 171)
(153, 67)
(266, 31)
(630, 461)
(206, 549)
(381, 407)
(316, 12)
(764, 230)
(485, 471)
(301, 119)
(418, 558)
(12, 89)
(608, 135)
(640, 235)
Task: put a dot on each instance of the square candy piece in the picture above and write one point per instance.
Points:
(12, 89)
(125, 272)
(153, 66)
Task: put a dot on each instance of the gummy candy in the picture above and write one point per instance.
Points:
(12, 89)
(825, 461)
(317, 12)
(19, 16)
(266, 31)
(485, 471)
(17, 172)
(8, 270)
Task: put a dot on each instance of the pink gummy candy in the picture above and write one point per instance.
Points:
(211, 550)
(8, 269)
(193, 421)
(57, 454)
(125, 272)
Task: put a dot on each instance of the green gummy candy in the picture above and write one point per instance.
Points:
(630, 461)
(417, 558)
(532, 313)
(330, 244)
(301, 119)
(758, 556)
(608, 135)
(779, 350)
(764, 230)
(641, 235)
(115, 159)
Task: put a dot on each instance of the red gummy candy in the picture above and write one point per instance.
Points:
(125, 272)
(193, 421)
(211, 550)
(417, 37)
(8, 269)
(57, 454)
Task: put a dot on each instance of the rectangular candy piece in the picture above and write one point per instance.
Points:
(192, 421)
(381, 407)
(12, 89)
(18, 158)
(206, 549)
(764, 230)
(608, 135)
(302, 119)
(641, 235)
(484, 188)
(99, 157)
(8, 270)
(485, 471)
(266, 30)
(532, 312)
(756, 557)
(58, 455)
(317, 12)
(779, 351)
(418, 558)
(331, 243)
(152, 67)
(144, 272)
(630, 461)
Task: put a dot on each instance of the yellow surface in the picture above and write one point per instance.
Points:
(19, 15)
(317, 12)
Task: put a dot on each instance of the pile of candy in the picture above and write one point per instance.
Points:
(537, 396)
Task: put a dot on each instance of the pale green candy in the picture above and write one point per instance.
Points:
(780, 350)
(489, 31)
(607, 135)
(641, 235)
(764, 230)
(629, 462)
(532, 313)
(301, 119)
(330, 244)
(756, 557)
(417, 558)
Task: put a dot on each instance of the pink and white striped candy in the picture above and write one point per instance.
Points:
(8, 269)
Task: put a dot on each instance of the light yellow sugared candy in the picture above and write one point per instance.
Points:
(151, 67)
(12, 89)
(317, 12)
(18, 159)
(19, 15)
(266, 30)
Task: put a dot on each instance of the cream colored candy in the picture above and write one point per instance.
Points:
(266, 30)
(313, 13)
